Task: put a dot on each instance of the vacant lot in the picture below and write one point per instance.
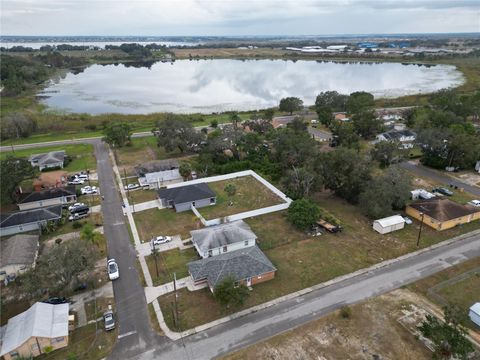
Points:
(371, 332)
(250, 194)
(303, 261)
(81, 154)
(140, 196)
(154, 222)
(169, 262)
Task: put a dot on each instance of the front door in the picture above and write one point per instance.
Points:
(249, 281)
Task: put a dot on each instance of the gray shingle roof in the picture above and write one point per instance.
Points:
(41, 320)
(155, 166)
(52, 157)
(18, 249)
(188, 193)
(220, 235)
(31, 216)
(397, 134)
(47, 194)
(239, 264)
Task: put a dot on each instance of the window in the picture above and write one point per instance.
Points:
(212, 200)
(224, 249)
(246, 242)
(13, 354)
(209, 252)
(193, 203)
(58, 340)
(236, 284)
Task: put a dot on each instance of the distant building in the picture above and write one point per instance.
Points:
(158, 179)
(404, 137)
(28, 220)
(341, 116)
(45, 198)
(156, 166)
(42, 326)
(18, 254)
(441, 213)
(182, 198)
(389, 224)
(223, 238)
(53, 159)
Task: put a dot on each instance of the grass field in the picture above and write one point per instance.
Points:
(303, 261)
(154, 222)
(169, 262)
(250, 195)
(81, 154)
(140, 196)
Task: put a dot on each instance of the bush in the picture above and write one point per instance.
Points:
(76, 225)
(345, 312)
(303, 213)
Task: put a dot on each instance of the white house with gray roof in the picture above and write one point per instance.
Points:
(52, 159)
(182, 198)
(28, 220)
(220, 239)
(18, 253)
(42, 326)
(158, 179)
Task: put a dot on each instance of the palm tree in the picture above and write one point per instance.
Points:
(88, 234)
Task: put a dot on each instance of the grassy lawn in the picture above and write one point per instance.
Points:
(169, 262)
(304, 261)
(95, 308)
(140, 196)
(72, 226)
(154, 222)
(250, 195)
(81, 154)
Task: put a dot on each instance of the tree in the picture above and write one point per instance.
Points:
(290, 104)
(303, 213)
(325, 115)
(385, 193)
(214, 123)
(117, 134)
(175, 132)
(448, 337)
(366, 124)
(299, 182)
(17, 125)
(268, 114)
(298, 124)
(385, 152)
(230, 189)
(185, 170)
(89, 235)
(359, 101)
(332, 100)
(13, 171)
(226, 293)
(293, 148)
(345, 134)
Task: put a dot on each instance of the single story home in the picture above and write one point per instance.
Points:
(155, 166)
(18, 253)
(40, 327)
(403, 136)
(474, 313)
(52, 159)
(389, 224)
(50, 197)
(442, 213)
(28, 220)
(158, 179)
(223, 238)
(248, 266)
(182, 198)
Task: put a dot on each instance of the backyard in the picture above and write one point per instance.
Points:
(154, 222)
(250, 194)
(169, 262)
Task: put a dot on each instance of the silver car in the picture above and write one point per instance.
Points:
(109, 320)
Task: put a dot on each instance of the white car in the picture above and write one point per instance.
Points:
(132, 186)
(408, 221)
(475, 203)
(74, 206)
(112, 269)
(194, 175)
(76, 181)
(161, 240)
(82, 176)
(89, 190)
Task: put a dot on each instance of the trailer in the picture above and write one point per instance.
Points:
(328, 226)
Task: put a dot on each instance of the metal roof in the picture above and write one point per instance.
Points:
(391, 220)
(52, 157)
(18, 249)
(41, 320)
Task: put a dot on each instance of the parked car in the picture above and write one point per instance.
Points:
(75, 206)
(194, 175)
(475, 203)
(78, 216)
(112, 268)
(89, 190)
(109, 320)
(82, 176)
(161, 240)
(76, 181)
(408, 221)
(56, 300)
(132, 186)
(80, 209)
(443, 191)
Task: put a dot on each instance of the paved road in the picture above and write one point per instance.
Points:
(135, 332)
(436, 175)
(252, 328)
(319, 134)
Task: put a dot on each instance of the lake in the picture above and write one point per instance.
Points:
(207, 86)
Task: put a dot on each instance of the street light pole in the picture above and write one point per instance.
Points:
(420, 230)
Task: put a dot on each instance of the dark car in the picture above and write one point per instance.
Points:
(56, 300)
(443, 191)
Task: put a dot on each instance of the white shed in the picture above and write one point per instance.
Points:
(474, 313)
(389, 224)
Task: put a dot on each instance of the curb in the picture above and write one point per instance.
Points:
(178, 335)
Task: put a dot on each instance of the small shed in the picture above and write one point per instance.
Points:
(389, 224)
(474, 313)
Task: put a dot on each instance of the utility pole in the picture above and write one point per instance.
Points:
(420, 230)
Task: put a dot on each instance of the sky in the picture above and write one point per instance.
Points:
(236, 17)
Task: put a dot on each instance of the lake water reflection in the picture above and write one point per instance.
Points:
(218, 85)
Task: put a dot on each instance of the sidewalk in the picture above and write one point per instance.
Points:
(153, 292)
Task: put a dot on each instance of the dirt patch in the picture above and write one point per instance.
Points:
(50, 179)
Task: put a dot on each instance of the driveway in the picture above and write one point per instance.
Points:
(319, 134)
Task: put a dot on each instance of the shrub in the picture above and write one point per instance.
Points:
(77, 225)
(345, 312)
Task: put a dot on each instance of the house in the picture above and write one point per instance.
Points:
(40, 327)
(28, 220)
(156, 166)
(182, 198)
(474, 313)
(442, 213)
(341, 116)
(220, 239)
(18, 253)
(52, 159)
(50, 197)
(389, 224)
(158, 179)
(403, 136)
(248, 266)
